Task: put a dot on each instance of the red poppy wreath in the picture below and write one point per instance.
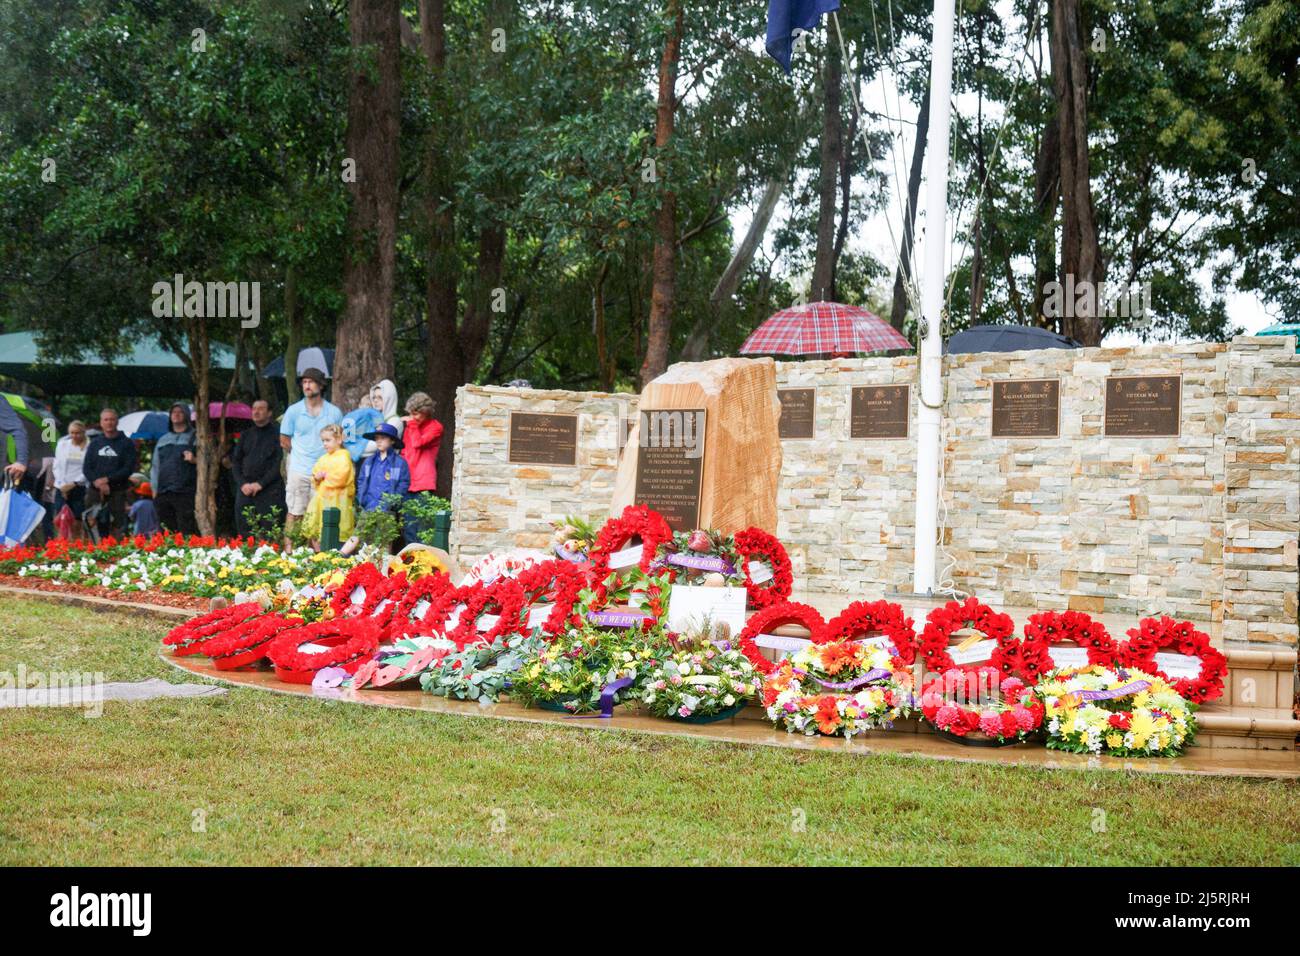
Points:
(943, 622)
(247, 643)
(755, 544)
(636, 522)
(557, 582)
(192, 636)
(347, 642)
(1031, 656)
(861, 619)
(504, 597)
(416, 602)
(1153, 635)
(770, 618)
(388, 595)
(365, 576)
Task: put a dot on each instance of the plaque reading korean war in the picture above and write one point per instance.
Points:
(670, 464)
(798, 412)
(1027, 408)
(880, 411)
(543, 439)
(1144, 405)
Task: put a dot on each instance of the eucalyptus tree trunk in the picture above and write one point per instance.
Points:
(664, 288)
(831, 149)
(903, 275)
(364, 340)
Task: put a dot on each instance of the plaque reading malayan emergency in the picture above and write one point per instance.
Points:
(1144, 406)
(670, 464)
(798, 412)
(543, 439)
(1027, 408)
(880, 411)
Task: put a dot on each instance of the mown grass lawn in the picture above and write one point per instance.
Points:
(253, 778)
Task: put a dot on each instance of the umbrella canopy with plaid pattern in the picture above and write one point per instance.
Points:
(820, 328)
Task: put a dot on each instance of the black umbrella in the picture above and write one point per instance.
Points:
(1006, 338)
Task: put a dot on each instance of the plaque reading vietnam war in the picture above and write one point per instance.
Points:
(543, 439)
(798, 412)
(880, 411)
(1144, 405)
(1027, 408)
(670, 464)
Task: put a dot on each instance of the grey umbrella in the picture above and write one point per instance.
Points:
(1006, 338)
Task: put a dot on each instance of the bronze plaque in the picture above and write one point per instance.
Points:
(880, 411)
(1027, 408)
(1144, 405)
(670, 464)
(543, 439)
(798, 412)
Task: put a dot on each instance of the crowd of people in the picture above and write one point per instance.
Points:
(284, 474)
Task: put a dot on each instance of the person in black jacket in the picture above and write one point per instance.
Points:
(174, 475)
(110, 461)
(256, 466)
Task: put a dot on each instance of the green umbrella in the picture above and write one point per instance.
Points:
(42, 430)
(1283, 328)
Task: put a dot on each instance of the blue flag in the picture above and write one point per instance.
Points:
(786, 17)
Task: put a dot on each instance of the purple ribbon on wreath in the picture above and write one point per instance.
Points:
(702, 563)
(1125, 691)
(577, 557)
(870, 676)
(616, 618)
(607, 695)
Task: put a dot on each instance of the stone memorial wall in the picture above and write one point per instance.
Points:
(1178, 491)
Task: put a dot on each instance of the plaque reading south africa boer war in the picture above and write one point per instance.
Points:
(798, 412)
(880, 411)
(1027, 408)
(1144, 405)
(670, 464)
(543, 439)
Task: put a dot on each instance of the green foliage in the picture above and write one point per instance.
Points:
(265, 527)
(379, 527)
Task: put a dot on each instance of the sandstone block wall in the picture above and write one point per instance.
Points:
(1203, 525)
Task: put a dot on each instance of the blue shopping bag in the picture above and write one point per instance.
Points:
(20, 514)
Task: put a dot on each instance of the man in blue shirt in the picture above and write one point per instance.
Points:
(300, 437)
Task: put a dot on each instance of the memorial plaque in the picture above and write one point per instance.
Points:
(880, 411)
(1144, 405)
(670, 464)
(1027, 408)
(543, 439)
(798, 412)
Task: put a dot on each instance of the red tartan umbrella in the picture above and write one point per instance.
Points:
(819, 328)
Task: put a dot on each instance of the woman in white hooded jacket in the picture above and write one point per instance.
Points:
(383, 397)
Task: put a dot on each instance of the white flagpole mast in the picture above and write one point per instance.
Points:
(933, 273)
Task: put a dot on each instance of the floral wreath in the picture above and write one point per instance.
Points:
(777, 615)
(755, 544)
(637, 521)
(365, 576)
(614, 588)
(559, 579)
(192, 636)
(943, 622)
(1152, 635)
(351, 641)
(1094, 710)
(248, 642)
(428, 588)
(1030, 655)
(839, 688)
(506, 596)
(701, 684)
(388, 595)
(865, 617)
(1013, 716)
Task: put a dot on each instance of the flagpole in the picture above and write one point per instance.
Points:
(933, 273)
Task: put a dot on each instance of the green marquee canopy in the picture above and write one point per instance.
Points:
(147, 370)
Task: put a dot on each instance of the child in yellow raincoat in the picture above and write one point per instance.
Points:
(332, 485)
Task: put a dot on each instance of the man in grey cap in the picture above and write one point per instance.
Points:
(300, 438)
